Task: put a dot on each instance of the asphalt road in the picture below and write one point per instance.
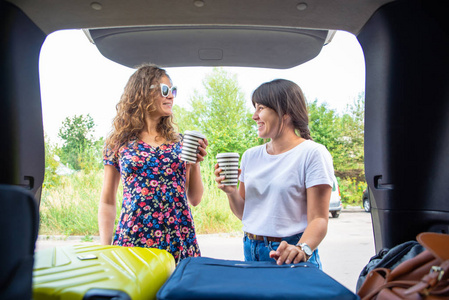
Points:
(347, 248)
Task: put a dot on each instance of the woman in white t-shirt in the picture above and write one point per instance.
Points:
(285, 184)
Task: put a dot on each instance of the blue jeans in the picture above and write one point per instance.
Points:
(255, 250)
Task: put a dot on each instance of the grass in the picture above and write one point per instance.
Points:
(213, 214)
(71, 206)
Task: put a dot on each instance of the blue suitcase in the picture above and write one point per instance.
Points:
(209, 278)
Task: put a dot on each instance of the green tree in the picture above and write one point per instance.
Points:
(324, 124)
(183, 119)
(352, 124)
(77, 135)
(51, 178)
(343, 137)
(90, 159)
(221, 114)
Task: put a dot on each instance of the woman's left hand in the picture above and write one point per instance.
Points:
(287, 253)
(201, 150)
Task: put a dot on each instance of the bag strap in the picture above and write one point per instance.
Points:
(376, 278)
(414, 268)
(430, 281)
(405, 284)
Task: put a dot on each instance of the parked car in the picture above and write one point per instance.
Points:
(365, 200)
(405, 45)
(335, 205)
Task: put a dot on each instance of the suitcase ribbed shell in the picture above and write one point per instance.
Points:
(68, 272)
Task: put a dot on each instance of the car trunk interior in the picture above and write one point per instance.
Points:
(405, 44)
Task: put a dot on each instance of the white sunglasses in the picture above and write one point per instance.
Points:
(165, 90)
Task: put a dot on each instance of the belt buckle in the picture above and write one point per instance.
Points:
(251, 236)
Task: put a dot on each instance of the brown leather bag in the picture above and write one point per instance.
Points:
(426, 276)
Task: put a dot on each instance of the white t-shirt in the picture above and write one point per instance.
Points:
(275, 187)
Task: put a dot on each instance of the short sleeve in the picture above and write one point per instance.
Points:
(319, 169)
(109, 158)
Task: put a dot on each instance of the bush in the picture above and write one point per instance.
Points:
(351, 191)
(51, 178)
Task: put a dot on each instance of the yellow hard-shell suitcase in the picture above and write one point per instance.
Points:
(100, 272)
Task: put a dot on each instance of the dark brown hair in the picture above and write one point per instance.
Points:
(285, 98)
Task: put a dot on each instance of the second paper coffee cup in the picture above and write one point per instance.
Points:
(229, 164)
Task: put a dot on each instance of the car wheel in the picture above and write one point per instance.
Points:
(366, 205)
(335, 214)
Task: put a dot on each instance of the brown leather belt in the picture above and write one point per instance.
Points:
(261, 237)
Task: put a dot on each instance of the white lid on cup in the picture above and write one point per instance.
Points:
(228, 154)
(195, 133)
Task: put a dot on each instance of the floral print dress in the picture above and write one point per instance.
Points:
(155, 212)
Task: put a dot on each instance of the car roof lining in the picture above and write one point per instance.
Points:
(317, 14)
(251, 33)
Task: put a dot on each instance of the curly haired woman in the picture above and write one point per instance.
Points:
(143, 151)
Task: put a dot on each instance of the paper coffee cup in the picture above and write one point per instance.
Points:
(229, 164)
(190, 145)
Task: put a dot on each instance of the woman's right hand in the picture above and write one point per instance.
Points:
(228, 189)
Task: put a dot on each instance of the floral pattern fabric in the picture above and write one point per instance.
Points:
(155, 212)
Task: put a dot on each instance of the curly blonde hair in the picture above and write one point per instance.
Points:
(136, 102)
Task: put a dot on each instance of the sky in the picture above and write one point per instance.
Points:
(75, 79)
